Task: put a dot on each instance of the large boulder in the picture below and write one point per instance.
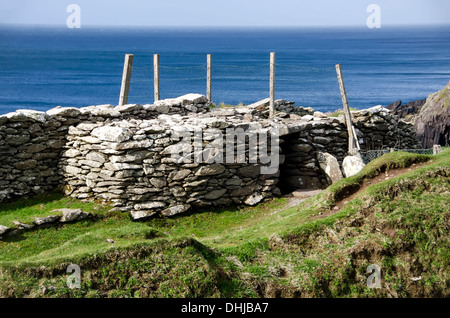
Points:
(330, 166)
(352, 165)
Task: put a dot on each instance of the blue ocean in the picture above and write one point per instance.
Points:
(43, 67)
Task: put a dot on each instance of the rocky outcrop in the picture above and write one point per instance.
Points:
(430, 116)
(433, 121)
(406, 111)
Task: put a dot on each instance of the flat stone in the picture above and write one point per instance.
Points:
(90, 163)
(215, 194)
(71, 153)
(56, 144)
(233, 182)
(210, 170)
(158, 182)
(253, 199)
(89, 139)
(72, 170)
(176, 209)
(178, 149)
(121, 166)
(96, 156)
(242, 191)
(130, 157)
(34, 114)
(87, 126)
(149, 205)
(134, 144)
(128, 108)
(26, 165)
(260, 104)
(68, 215)
(22, 226)
(46, 220)
(17, 140)
(36, 148)
(111, 133)
(249, 171)
(192, 99)
(17, 117)
(178, 191)
(179, 175)
(64, 111)
(321, 140)
(140, 215)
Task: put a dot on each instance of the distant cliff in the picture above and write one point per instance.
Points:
(431, 117)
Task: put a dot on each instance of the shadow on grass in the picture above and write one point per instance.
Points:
(24, 202)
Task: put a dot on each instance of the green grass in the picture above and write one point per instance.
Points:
(224, 105)
(401, 223)
(26, 210)
(340, 112)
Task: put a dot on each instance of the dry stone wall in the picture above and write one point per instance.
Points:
(31, 141)
(133, 165)
(310, 136)
(124, 155)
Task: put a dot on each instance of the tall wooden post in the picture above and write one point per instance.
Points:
(352, 147)
(208, 76)
(272, 85)
(126, 77)
(156, 75)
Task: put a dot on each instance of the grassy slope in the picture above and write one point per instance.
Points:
(400, 224)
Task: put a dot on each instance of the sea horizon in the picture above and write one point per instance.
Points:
(43, 66)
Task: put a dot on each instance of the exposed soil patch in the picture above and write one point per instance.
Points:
(380, 178)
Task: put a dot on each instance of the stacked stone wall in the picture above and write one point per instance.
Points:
(124, 155)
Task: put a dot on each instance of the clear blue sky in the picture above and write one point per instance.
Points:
(225, 12)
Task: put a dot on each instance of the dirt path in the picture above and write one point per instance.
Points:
(300, 195)
(296, 197)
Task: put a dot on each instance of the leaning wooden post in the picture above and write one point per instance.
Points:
(208, 76)
(126, 77)
(347, 114)
(156, 75)
(272, 85)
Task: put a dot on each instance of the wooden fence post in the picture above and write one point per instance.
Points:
(126, 77)
(156, 75)
(208, 76)
(272, 85)
(352, 146)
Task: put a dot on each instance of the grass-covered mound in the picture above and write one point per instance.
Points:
(320, 248)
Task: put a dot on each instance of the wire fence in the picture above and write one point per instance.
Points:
(369, 155)
(238, 83)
